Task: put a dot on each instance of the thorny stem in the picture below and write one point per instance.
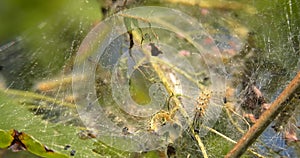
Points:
(265, 119)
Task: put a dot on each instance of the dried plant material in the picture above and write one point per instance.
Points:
(61, 82)
(290, 136)
(251, 117)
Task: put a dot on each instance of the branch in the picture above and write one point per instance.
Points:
(265, 119)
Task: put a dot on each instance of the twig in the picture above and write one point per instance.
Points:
(230, 140)
(265, 119)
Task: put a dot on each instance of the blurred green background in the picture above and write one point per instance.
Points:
(38, 37)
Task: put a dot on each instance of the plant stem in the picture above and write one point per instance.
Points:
(178, 105)
(32, 95)
(265, 119)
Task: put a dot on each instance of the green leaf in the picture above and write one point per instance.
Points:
(15, 138)
(5, 139)
(132, 23)
(37, 148)
(53, 135)
(127, 23)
